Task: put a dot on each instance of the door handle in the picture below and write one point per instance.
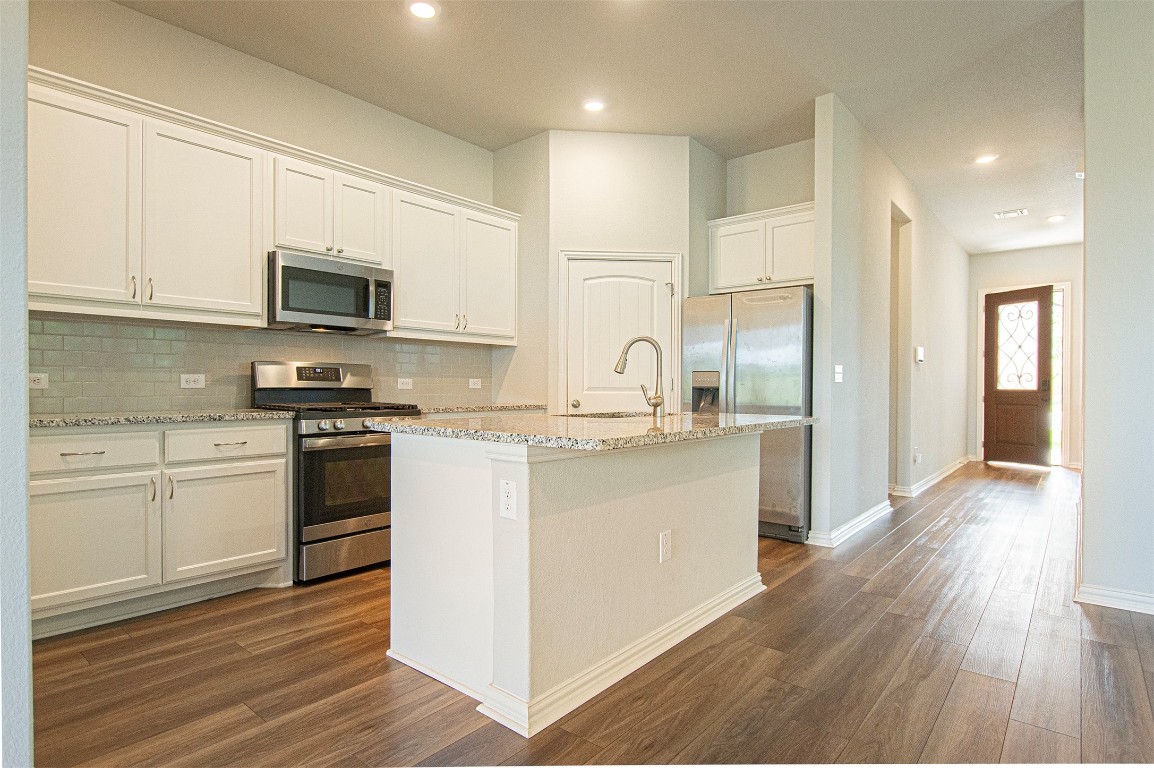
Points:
(171, 487)
(466, 319)
(575, 403)
(457, 325)
(150, 289)
(133, 296)
(152, 485)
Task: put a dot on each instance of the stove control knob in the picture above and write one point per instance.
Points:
(323, 425)
(339, 424)
(367, 423)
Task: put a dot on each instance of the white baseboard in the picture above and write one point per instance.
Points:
(1139, 602)
(843, 532)
(937, 477)
(1074, 465)
(531, 717)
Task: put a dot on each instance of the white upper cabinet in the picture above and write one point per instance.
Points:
(759, 249)
(426, 294)
(202, 220)
(84, 198)
(456, 271)
(325, 211)
(489, 269)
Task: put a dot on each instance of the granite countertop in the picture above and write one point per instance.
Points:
(154, 417)
(589, 433)
(484, 408)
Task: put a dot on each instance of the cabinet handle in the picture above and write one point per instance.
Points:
(768, 278)
(152, 485)
(82, 453)
(457, 327)
(150, 289)
(328, 247)
(466, 325)
(575, 403)
(340, 250)
(133, 296)
(761, 279)
(239, 442)
(171, 487)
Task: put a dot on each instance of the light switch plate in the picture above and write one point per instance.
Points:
(192, 381)
(404, 383)
(38, 381)
(474, 383)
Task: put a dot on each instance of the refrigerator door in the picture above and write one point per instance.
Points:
(705, 328)
(770, 374)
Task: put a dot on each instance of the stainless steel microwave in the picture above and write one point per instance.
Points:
(313, 293)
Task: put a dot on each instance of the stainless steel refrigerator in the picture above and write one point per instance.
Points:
(751, 352)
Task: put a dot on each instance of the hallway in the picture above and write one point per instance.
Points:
(943, 633)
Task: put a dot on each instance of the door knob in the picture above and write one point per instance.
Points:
(575, 403)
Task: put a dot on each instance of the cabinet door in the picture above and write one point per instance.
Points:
(361, 217)
(84, 198)
(738, 252)
(303, 215)
(202, 220)
(93, 536)
(791, 248)
(489, 267)
(426, 293)
(218, 518)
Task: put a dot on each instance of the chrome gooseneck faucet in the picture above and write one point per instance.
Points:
(657, 401)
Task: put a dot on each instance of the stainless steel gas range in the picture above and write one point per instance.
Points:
(341, 489)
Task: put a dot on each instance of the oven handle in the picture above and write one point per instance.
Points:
(344, 441)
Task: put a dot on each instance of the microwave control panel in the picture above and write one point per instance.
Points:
(383, 309)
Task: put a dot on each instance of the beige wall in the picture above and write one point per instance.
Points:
(770, 179)
(856, 188)
(107, 44)
(15, 640)
(106, 364)
(521, 183)
(707, 177)
(1016, 269)
(1117, 521)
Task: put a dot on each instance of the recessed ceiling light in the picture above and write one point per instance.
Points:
(1013, 213)
(424, 9)
(984, 159)
(1055, 218)
(594, 105)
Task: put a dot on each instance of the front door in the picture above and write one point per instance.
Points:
(610, 302)
(1017, 376)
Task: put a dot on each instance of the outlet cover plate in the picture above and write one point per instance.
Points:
(474, 383)
(508, 500)
(192, 381)
(38, 381)
(404, 383)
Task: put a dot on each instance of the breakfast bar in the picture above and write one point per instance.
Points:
(536, 559)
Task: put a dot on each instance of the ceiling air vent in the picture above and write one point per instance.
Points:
(1013, 213)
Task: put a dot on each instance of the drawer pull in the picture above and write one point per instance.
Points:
(239, 442)
(82, 453)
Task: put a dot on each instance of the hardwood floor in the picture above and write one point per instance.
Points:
(943, 633)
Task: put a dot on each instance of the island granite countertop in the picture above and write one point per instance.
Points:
(154, 417)
(589, 433)
(485, 408)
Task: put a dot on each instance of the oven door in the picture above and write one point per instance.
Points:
(343, 485)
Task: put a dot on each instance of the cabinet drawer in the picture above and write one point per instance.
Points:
(229, 443)
(64, 453)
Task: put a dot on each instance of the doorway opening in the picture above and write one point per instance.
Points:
(901, 340)
(1023, 381)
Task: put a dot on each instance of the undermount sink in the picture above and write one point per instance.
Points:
(613, 415)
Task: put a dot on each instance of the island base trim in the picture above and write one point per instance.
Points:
(529, 718)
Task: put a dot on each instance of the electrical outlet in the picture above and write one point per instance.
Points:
(404, 383)
(474, 383)
(38, 381)
(917, 458)
(192, 381)
(664, 546)
(838, 374)
(509, 499)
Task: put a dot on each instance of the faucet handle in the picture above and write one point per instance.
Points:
(653, 401)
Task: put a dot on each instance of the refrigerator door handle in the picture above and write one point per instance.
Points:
(730, 396)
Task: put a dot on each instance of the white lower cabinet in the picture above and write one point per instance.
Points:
(223, 517)
(93, 536)
(110, 519)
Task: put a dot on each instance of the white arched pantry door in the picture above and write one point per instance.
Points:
(609, 302)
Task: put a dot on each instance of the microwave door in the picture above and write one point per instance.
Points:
(311, 293)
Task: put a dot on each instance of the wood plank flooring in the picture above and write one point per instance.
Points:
(943, 633)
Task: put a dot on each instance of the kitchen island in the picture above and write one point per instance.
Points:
(527, 566)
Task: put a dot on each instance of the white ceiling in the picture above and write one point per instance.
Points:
(936, 82)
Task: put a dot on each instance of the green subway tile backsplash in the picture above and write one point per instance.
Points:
(98, 365)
